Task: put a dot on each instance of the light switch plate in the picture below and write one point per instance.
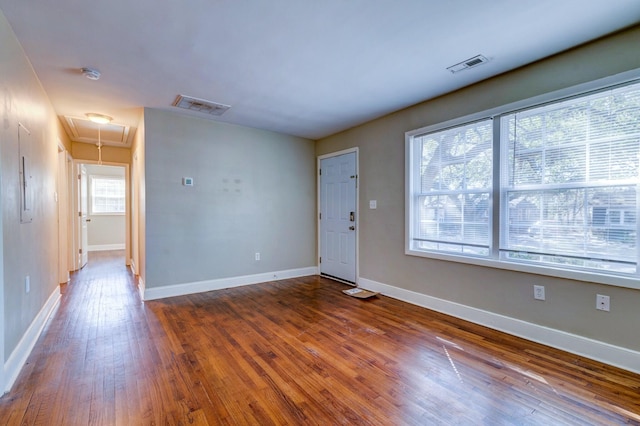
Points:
(187, 181)
(373, 204)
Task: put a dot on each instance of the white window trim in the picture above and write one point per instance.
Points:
(91, 195)
(495, 113)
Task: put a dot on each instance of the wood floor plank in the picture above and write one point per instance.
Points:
(294, 352)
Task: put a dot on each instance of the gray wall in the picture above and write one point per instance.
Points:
(570, 305)
(254, 192)
(30, 249)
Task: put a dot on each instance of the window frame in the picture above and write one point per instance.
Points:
(463, 192)
(494, 260)
(92, 211)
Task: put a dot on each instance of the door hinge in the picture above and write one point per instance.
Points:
(320, 216)
(80, 251)
(79, 214)
(79, 177)
(320, 170)
(320, 259)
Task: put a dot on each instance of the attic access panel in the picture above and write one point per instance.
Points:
(83, 130)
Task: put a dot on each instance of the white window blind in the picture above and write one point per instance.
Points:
(452, 184)
(107, 195)
(570, 174)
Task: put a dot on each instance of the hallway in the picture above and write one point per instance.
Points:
(293, 352)
(84, 357)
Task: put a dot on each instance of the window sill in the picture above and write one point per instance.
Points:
(106, 214)
(594, 277)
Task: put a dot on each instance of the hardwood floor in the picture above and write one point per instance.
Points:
(293, 352)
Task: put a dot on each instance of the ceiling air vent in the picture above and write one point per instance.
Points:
(200, 105)
(469, 63)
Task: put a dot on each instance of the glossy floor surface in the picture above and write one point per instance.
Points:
(293, 352)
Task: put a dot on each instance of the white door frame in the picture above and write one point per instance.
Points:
(135, 216)
(319, 206)
(2, 364)
(71, 231)
(83, 216)
(74, 188)
(63, 214)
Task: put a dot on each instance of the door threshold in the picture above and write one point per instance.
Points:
(331, 277)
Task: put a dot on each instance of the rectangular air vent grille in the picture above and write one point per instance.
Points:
(469, 63)
(200, 105)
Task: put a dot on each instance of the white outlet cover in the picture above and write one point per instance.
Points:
(538, 292)
(373, 204)
(603, 303)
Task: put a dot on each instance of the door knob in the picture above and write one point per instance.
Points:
(352, 228)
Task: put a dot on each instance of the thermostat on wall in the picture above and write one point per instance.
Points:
(187, 181)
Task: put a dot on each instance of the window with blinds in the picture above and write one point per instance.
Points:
(570, 181)
(107, 195)
(453, 189)
(567, 199)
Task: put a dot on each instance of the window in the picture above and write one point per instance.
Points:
(567, 199)
(453, 189)
(107, 195)
(574, 165)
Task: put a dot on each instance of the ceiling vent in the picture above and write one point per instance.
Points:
(200, 105)
(469, 63)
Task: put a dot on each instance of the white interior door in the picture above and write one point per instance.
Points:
(338, 180)
(83, 203)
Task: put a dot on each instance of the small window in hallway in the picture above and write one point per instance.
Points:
(107, 195)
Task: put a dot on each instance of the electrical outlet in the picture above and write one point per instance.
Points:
(538, 292)
(27, 284)
(603, 302)
(257, 256)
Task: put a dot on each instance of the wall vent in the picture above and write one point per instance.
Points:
(200, 105)
(469, 63)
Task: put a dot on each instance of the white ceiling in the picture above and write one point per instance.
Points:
(303, 67)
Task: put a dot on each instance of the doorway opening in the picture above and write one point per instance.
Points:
(102, 210)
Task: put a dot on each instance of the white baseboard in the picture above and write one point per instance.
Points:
(218, 284)
(106, 247)
(140, 281)
(141, 287)
(579, 345)
(19, 356)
